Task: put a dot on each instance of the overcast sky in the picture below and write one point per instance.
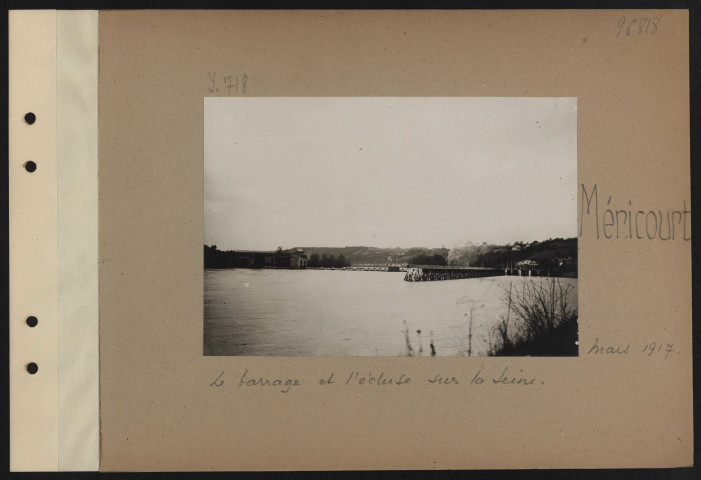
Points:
(388, 172)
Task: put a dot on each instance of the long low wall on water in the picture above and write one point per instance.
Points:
(430, 273)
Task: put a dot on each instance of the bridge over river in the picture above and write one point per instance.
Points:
(427, 273)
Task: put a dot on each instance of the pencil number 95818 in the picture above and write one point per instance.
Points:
(643, 25)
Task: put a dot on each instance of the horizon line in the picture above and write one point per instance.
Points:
(474, 244)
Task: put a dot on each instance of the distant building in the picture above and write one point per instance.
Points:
(298, 259)
(526, 265)
(566, 263)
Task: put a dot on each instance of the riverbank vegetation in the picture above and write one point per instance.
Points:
(424, 259)
(376, 256)
(541, 320)
(215, 258)
(327, 261)
(554, 256)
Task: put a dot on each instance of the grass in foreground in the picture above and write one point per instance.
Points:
(559, 342)
(540, 321)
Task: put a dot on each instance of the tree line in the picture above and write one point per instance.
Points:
(327, 261)
(549, 255)
(423, 259)
(215, 258)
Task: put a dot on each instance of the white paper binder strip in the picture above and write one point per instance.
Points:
(78, 353)
(54, 418)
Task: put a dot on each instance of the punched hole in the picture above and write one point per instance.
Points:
(32, 368)
(30, 166)
(30, 118)
(32, 321)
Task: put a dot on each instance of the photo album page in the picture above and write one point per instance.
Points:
(350, 240)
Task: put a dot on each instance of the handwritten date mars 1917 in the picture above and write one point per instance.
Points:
(652, 349)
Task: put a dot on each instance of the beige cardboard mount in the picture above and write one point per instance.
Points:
(160, 407)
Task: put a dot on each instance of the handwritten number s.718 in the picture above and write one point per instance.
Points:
(231, 84)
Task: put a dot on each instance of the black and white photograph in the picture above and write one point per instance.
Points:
(390, 226)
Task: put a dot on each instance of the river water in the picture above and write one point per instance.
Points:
(349, 313)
